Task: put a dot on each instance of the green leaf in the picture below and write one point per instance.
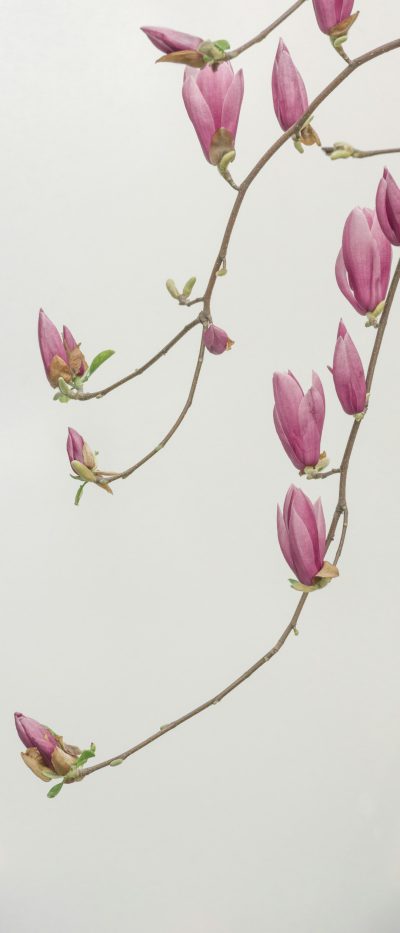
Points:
(55, 790)
(85, 755)
(64, 399)
(222, 45)
(78, 496)
(117, 761)
(99, 360)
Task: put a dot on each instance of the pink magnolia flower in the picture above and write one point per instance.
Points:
(169, 40)
(299, 418)
(217, 340)
(331, 13)
(388, 207)
(78, 450)
(47, 754)
(34, 735)
(348, 374)
(213, 100)
(61, 357)
(288, 89)
(302, 534)
(363, 264)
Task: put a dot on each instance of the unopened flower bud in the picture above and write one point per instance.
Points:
(216, 340)
(78, 450)
(213, 100)
(288, 88)
(363, 264)
(388, 207)
(302, 535)
(348, 374)
(47, 754)
(334, 16)
(299, 420)
(170, 40)
(62, 358)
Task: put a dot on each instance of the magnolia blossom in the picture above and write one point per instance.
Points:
(213, 100)
(217, 340)
(78, 450)
(288, 89)
(388, 207)
(331, 13)
(169, 40)
(348, 374)
(299, 418)
(302, 534)
(61, 356)
(363, 264)
(47, 754)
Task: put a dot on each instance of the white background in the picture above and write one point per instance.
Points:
(278, 810)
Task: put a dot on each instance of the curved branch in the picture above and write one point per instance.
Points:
(87, 396)
(341, 509)
(221, 258)
(177, 423)
(292, 131)
(264, 33)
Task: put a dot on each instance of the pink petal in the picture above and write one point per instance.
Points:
(199, 113)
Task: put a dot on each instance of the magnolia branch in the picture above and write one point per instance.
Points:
(205, 315)
(177, 423)
(340, 510)
(87, 396)
(265, 32)
(345, 151)
(292, 131)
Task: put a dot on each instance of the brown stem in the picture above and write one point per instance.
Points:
(265, 32)
(177, 423)
(340, 510)
(86, 396)
(367, 153)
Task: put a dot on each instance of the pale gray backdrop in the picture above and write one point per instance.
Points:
(277, 810)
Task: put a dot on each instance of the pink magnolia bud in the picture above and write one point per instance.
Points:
(388, 207)
(288, 89)
(78, 450)
(53, 352)
(216, 340)
(363, 264)
(61, 357)
(169, 40)
(299, 418)
(46, 752)
(331, 13)
(348, 374)
(302, 534)
(34, 735)
(213, 100)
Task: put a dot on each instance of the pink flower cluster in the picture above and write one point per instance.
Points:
(363, 274)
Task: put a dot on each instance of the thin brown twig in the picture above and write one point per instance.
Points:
(340, 510)
(264, 33)
(177, 423)
(332, 472)
(87, 396)
(358, 153)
